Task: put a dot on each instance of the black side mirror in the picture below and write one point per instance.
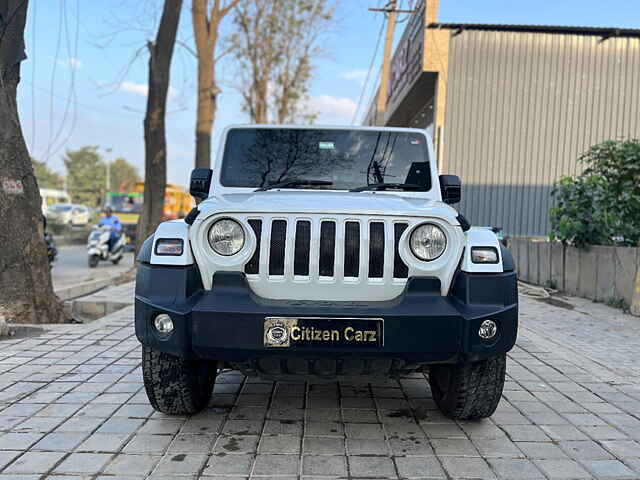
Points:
(200, 183)
(451, 188)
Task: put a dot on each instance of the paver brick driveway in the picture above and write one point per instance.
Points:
(72, 406)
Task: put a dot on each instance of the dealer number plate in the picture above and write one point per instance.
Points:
(321, 332)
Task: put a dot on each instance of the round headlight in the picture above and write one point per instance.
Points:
(428, 242)
(226, 237)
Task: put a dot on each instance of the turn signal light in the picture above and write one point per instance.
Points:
(484, 254)
(169, 246)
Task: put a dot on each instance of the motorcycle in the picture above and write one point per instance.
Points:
(98, 246)
(52, 251)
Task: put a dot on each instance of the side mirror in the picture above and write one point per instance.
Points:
(200, 183)
(451, 188)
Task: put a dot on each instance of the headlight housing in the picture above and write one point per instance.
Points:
(428, 242)
(226, 237)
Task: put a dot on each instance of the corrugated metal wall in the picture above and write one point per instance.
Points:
(520, 109)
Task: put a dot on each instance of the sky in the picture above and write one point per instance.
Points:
(84, 81)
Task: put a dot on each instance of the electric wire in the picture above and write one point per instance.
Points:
(366, 80)
(52, 84)
(33, 76)
(73, 65)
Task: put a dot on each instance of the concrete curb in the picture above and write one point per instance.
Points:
(89, 308)
(84, 288)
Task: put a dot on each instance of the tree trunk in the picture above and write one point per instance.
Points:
(155, 143)
(207, 92)
(205, 31)
(26, 291)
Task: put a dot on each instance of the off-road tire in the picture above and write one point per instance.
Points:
(94, 260)
(174, 385)
(469, 391)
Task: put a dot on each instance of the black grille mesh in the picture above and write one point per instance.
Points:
(276, 253)
(400, 269)
(327, 248)
(351, 249)
(376, 250)
(253, 265)
(303, 245)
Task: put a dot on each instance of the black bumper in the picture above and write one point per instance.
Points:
(420, 326)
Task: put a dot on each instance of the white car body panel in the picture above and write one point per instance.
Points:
(316, 205)
(172, 229)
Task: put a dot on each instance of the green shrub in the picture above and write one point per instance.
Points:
(602, 205)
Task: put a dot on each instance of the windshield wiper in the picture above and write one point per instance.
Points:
(389, 186)
(294, 182)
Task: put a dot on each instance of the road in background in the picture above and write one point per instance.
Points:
(71, 267)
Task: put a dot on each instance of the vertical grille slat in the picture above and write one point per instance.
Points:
(400, 269)
(327, 248)
(376, 250)
(351, 249)
(302, 248)
(277, 245)
(253, 265)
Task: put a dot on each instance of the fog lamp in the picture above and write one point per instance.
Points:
(488, 330)
(163, 324)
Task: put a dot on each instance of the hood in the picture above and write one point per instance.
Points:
(317, 201)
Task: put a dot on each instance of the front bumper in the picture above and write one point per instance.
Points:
(420, 326)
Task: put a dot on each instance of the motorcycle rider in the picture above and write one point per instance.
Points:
(113, 222)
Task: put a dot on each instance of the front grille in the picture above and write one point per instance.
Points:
(277, 246)
(351, 249)
(254, 262)
(327, 248)
(341, 248)
(376, 250)
(400, 269)
(303, 245)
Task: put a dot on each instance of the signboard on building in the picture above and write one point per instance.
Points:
(406, 64)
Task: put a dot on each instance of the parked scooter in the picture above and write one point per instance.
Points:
(98, 246)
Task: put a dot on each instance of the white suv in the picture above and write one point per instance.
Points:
(327, 253)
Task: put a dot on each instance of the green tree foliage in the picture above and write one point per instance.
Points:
(86, 175)
(602, 205)
(123, 175)
(46, 177)
(275, 42)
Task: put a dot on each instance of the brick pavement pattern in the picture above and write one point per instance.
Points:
(72, 406)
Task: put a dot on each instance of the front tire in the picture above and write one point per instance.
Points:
(469, 391)
(174, 385)
(93, 261)
(115, 261)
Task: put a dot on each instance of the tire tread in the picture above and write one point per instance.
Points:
(171, 383)
(475, 389)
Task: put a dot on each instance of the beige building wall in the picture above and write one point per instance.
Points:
(520, 109)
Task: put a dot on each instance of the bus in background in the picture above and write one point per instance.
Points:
(127, 206)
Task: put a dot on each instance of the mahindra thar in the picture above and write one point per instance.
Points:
(325, 253)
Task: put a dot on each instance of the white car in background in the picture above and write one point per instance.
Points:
(69, 214)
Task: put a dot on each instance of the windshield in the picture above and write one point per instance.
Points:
(60, 208)
(125, 202)
(343, 159)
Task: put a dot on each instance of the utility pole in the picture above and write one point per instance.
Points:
(391, 11)
(108, 163)
(386, 63)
